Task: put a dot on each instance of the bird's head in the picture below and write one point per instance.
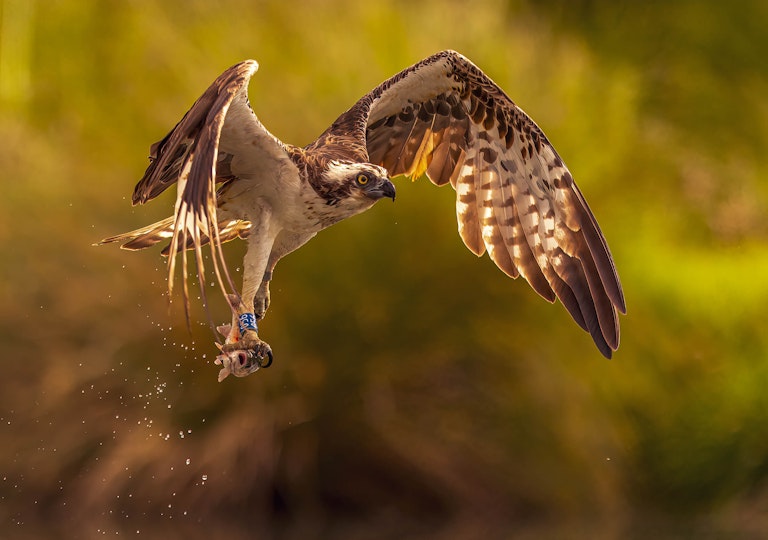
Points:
(364, 183)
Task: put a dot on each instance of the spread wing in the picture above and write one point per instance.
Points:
(218, 141)
(515, 198)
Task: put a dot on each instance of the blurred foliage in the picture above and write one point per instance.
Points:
(417, 392)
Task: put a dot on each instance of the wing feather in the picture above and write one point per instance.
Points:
(219, 140)
(467, 215)
(515, 198)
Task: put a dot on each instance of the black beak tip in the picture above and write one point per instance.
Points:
(389, 190)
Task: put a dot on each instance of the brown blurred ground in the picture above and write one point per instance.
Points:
(417, 392)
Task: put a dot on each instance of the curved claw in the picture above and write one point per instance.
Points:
(269, 359)
(244, 356)
(239, 363)
(241, 355)
(250, 355)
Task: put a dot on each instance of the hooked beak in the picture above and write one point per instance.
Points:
(386, 189)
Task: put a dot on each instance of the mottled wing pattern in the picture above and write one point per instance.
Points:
(218, 141)
(515, 198)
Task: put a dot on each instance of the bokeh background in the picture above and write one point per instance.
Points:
(416, 392)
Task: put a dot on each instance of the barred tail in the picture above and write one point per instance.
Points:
(144, 237)
(163, 230)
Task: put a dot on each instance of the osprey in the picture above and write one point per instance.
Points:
(443, 117)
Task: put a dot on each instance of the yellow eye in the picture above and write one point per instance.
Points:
(362, 179)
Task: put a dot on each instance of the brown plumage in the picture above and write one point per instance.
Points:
(442, 117)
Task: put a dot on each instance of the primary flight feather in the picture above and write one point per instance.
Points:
(443, 117)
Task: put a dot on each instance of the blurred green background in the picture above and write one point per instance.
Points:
(416, 392)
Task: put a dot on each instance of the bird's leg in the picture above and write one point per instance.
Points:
(239, 357)
(259, 351)
(261, 300)
(254, 273)
(243, 351)
(244, 322)
(244, 317)
(285, 243)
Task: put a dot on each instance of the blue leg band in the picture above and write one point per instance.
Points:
(247, 322)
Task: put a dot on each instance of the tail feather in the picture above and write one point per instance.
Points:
(144, 237)
(228, 230)
(163, 230)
